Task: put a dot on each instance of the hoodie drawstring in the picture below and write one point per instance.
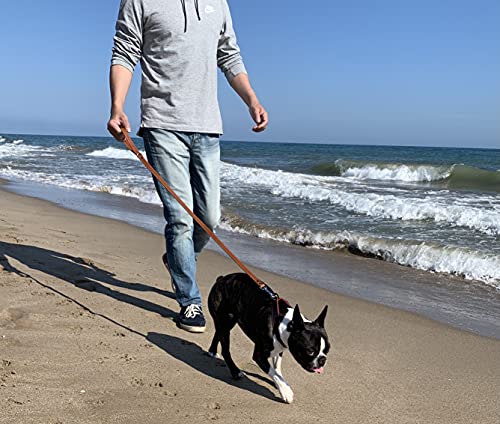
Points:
(197, 9)
(185, 12)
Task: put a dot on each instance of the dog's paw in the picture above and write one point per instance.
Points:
(286, 393)
(285, 390)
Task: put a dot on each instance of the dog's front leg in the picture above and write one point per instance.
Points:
(262, 359)
(284, 388)
(277, 362)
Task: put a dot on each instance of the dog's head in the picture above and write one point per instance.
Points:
(308, 342)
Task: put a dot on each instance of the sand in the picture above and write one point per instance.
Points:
(86, 336)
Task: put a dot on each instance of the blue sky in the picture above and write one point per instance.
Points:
(365, 72)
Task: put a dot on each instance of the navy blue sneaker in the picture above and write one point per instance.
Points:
(191, 319)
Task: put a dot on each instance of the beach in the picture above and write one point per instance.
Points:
(373, 194)
(86, 336)
(428, 218)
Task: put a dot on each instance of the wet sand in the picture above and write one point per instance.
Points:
(86, 336)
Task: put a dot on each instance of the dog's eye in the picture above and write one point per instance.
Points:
(311, 353)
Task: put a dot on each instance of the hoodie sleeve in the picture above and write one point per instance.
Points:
(228, 53)
(127, 48)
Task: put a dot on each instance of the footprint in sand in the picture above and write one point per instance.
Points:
(170, 393)
(11, 237)
(137, 382)
(213, 405)
(128, 358)
(5, 363)
(6, 372)
(98, 402)
(14, 318)
(159, 384)
(42, 293)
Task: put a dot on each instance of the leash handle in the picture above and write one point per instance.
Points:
(132, 147)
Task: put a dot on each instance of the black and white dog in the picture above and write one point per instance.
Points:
(236, 299)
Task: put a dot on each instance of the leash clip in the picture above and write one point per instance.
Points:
(266, 289)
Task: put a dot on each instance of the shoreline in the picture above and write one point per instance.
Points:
(443, 298)
(86, 336)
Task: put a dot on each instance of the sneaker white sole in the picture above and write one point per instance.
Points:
(192, 329)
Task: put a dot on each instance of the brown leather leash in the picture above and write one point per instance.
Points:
(131, 146)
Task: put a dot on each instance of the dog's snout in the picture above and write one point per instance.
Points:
(322, 361)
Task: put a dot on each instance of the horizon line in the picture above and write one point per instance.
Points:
(279, 142)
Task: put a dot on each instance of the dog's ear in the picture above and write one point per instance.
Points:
(321, 318)
(297, 323)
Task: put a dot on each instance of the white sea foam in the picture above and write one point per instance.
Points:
(467, 263)
(91, 183)
(114, 153)
(19, 149)
(404, 206)
(405, 173)
(470, 264)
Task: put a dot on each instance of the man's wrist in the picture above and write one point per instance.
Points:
(253, 101)
(116, 110)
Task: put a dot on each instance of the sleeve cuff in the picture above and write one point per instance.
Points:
(122, 62)
(234, 70)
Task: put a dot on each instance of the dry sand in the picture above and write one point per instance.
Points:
(86, 336)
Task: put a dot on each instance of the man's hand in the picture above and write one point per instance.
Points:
(259, 115)
(115, 124)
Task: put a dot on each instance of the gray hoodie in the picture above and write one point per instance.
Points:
(180, 44)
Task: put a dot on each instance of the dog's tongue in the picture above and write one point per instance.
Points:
(319, 370)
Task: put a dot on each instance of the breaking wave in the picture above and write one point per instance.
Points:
(452, 176)
(452, 211)
(114, 153)
(8, 140)
(17, 148)
(460, 261)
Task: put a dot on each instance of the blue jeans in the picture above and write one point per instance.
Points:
(189, 163)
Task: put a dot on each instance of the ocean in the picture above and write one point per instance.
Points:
(436, 210)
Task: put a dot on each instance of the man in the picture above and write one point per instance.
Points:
(180, 44)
